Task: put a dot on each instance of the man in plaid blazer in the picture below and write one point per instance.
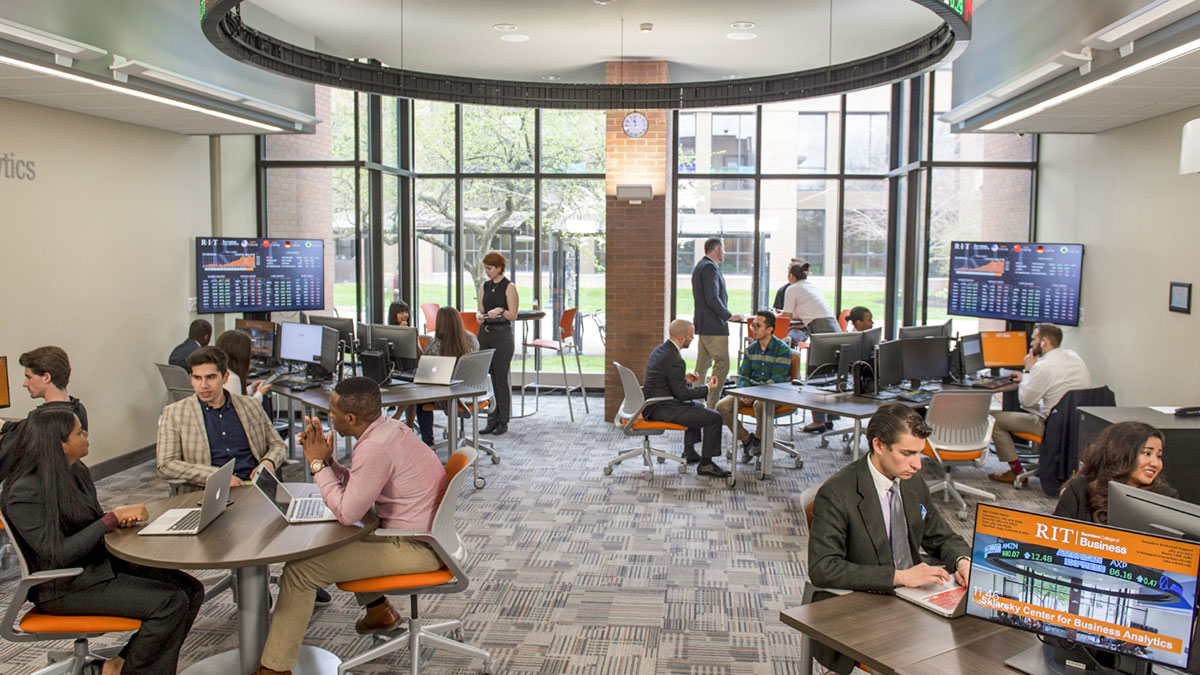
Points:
(202, 432)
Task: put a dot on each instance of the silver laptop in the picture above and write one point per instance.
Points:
(192, 521)
(435, 370)
(294, 509)
(948, 599)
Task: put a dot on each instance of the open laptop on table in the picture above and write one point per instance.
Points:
(948, 598)
(193, 521)
(294, 509)
(436, 370)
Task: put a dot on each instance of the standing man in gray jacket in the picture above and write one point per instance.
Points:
(712, 317)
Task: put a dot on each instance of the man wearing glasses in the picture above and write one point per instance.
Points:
(766, 360)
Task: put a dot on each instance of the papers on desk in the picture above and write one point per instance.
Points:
(1164, 409)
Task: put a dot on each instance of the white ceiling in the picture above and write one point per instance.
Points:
(572, 39)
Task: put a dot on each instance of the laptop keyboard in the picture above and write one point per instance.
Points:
(189, 522)
(308, 508)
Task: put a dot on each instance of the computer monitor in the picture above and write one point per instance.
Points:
(262, 336)
(889, 364)
(4, 397)
(1003, 349)
(403, 340)
(971, 348)
(932, 330)
(1145, 511)
(926, 358)
(871, 339)
(832, 353)
(1121, 595)
(344, 327)
(308, 343)
(364, 334)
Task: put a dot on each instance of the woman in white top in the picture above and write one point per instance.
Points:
(806, 302)
(236, 346)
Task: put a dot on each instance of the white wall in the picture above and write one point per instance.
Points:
(96, 256)
(1119, 193)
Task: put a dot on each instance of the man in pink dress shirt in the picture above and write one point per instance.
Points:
(394, 472)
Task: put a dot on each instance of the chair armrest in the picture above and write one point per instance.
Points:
(43, 576)
(21, 594)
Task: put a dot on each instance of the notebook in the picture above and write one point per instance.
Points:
(293, 509)
(193, 521)
(435, 370)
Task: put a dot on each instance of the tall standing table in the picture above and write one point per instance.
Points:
(247, 537)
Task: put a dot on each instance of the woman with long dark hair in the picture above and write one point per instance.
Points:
(450, 338)
(399, 313)
(1127, 452)
(237, 348)
(50, 502)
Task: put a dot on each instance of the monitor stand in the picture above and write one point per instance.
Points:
(1045, 659)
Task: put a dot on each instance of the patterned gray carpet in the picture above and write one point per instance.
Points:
(573, 571)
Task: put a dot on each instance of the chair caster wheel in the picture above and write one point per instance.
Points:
(607, 470)
(731, 481)
(660, 460)
(682, 468)
(799, 463)
(824, 443)
(488, 669)
(457, 634)
(495, 459)
(479, 483)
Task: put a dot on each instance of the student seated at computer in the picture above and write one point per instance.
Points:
(766, 360)
(807, 303)
(860, 320)
(237, 348)
(394, 472)
(1127, 452)
(50, 501)
(450, 338)
(399, 313)
(871, 519)
(200, 433)
(1050, 372)
(199, 333)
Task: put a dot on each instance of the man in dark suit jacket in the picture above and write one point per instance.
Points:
(712, 316)
(850, 544)
(666, 375)
(199, 333)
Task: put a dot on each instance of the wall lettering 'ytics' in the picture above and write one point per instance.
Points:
(14, 168)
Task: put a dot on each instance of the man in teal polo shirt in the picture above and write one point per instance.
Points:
(766, 360)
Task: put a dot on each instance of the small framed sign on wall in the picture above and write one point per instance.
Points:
(1181, 297)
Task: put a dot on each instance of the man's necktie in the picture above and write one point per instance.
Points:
(901, 553)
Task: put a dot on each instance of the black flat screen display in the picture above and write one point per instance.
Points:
(1016, 281)
(259, 275)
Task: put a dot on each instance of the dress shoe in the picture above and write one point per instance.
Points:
(690, 456)
(1006, 477)
(500, 430)
(381, 618)
(491, 426)
(752, 445)
(263, 670)
(711, 469)
(323, 598)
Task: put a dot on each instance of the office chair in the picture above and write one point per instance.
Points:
(806, 597)
(782, 411)
(631, 423)
(962, 433)
(843, 319)
(448, 546)
(429, 310)
(472, 369)
(470, 321)
(36, 626)
(566, 334)
(6, 549)
(178, 381)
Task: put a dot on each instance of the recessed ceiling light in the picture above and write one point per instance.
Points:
(601, 2)
(504, 27)
(551, 78)
(515, 37)
(742, 25)
(646, 27)
(741, 36)
(730, 77)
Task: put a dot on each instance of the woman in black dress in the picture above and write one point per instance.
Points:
(50, 502)
(1128, 452)
(497, 311)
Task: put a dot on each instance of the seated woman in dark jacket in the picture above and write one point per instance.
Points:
(50, 502)
(1129, 452)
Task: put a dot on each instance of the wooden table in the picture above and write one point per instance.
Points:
(891, 635)
(1181, 438)
(248, 536)
(401, 396)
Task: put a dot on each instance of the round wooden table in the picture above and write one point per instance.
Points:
(247, 537)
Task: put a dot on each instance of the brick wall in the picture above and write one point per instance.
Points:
(637, 236)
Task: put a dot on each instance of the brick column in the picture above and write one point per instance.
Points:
(637, 236)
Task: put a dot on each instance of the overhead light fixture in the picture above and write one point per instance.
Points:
(123, 68)
(551, 78)
(1043, 72)
(279, 111)
(504, 27)
(730, 77)
(64, 49)
(1133, 69)
(741, 36)
(742, 25)
(514, 37)
(646, 27)
(46, 70)
(602, 2)
(966, 110)
(634, 194)
(1141, 23)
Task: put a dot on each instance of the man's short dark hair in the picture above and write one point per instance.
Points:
(858, 313)
(710, 244)
(48, 359)
(200, 331)
(892, 421)
(768, 317)
(1050, 332)
(208, 355)
(360, 396)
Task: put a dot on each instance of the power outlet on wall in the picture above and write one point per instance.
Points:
(191, 304)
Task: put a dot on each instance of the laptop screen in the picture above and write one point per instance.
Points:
(266, 482)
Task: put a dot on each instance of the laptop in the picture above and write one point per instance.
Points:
(945, 598)
(294, 509)
(193, 521)
(435, 370)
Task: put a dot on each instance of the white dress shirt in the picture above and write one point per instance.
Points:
(1055, 373)
(805, 302)
(883, 486)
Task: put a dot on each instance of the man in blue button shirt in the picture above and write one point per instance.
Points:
(766, 360)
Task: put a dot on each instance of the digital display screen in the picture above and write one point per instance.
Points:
(1016, 281)
(1101, 587)
(259, 275)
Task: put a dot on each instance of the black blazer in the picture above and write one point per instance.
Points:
(81, 546)
(666, 375)
(1073, 502)
(712, 300)
(183, 350)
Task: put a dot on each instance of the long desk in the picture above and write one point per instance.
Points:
(401, 396)
(1181, 439)
(247, 537)
(893, 636)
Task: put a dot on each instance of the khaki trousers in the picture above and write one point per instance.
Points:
(728, 405)
(1008, 421)
(371, 556)
(713, 349)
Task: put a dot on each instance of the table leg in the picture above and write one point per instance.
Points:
(452, 425)
(856, 438)
(291, 428)
(733, 447)
(478, 482)
(768, 438)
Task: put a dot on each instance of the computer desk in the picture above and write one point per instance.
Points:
(894, 636)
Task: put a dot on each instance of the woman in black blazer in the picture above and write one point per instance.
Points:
(50, 502)
(1129, 452)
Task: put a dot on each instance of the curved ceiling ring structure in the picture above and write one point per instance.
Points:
(223, 26)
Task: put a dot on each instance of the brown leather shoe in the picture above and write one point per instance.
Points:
(263, 670)
(379, 619)
(1006, 477)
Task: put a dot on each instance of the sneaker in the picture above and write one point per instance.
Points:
(711, 469)
(1006, 477)
(323, 598)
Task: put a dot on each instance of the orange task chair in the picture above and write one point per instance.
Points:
(843, 319)
(429, 310)
(782, 411)
(629, 419)
(38, 627)
(807, 498)
(470, 321)
(448, 546)
(566, 341)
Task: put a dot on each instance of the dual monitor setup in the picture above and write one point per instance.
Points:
(321, 341)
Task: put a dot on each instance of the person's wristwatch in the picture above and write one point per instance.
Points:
(315, 466)
(960, 559)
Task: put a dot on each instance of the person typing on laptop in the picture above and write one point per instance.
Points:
(395, 473)
(871, 518)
